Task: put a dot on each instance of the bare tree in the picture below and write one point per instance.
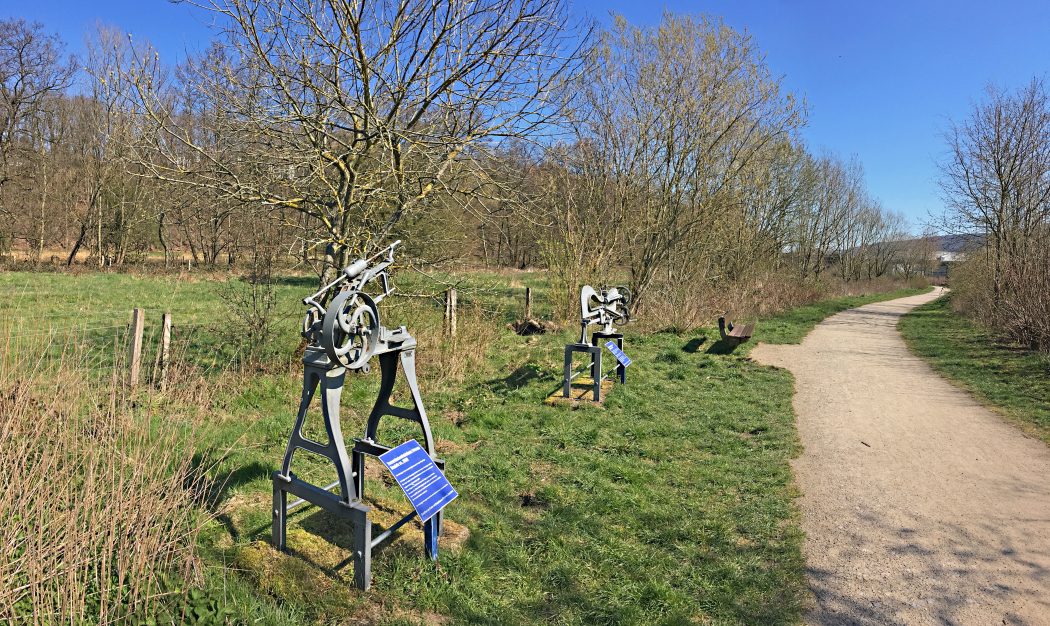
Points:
(769, 197)
(354, 113)
(33, 70)
(45, 188)
(680, 114)
(820, 215)
(917, 256)
(996, 182)
(584, 221)
(996, 179)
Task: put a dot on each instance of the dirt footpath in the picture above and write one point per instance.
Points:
(919, 505)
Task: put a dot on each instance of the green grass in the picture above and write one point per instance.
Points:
(672, 503)
(1014, 381)
(93, 311)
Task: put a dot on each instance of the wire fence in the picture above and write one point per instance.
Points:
(100, 340)
(105, 350)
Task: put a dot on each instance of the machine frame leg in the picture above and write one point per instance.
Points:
(567, 384)
(320, 375)
(596, 373)
(362, 549)
(280, 517)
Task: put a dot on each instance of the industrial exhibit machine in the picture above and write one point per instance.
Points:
(344, 336)
(602, 308)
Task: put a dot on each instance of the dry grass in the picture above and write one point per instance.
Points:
(443, 360)
(1020, 314)
(764, 295)
(101, 502)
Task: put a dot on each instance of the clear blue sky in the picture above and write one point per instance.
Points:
(882, 78)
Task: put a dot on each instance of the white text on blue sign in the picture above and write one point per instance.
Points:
(618, 353)
(423, 483)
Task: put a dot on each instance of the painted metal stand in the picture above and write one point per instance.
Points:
(325, 364)
(594, 349)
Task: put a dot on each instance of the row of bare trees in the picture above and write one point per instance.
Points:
(70, 184)
(686, 169)
(996, 183)
(493, 131)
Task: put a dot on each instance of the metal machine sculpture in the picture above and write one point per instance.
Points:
(343, 336)
(603, 308)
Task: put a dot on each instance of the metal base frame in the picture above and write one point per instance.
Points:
(595, 350)
(320, 372)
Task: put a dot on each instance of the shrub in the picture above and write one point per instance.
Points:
(687, 306)
(1020, 311)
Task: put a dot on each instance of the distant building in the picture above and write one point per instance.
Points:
(951, 249)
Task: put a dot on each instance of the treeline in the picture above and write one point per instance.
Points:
(495, 132)
(996, 182)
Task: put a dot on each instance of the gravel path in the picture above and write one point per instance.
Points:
(919, 505)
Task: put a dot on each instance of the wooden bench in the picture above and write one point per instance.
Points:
(734, 334)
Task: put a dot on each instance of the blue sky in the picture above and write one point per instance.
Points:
(882, 79)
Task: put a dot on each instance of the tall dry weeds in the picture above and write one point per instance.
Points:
(100, 502)
(443, 360)
(1020, 312)
(689, 305)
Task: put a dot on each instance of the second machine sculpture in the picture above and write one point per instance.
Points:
(602, 308)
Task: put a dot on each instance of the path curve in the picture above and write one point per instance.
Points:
(919, 505)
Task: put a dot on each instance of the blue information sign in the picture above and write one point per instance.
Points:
(618, 353)
(426, 487)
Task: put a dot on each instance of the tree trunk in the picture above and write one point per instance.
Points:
(163, 241)
(76, 246)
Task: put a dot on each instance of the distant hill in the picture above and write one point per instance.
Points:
(950, 243)
(958, 243)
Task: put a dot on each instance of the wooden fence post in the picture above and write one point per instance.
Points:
(528, 303)
(165, 344)
(450, 312)
(138, 318)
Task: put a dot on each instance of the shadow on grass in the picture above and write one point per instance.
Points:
(723, 346)
(242, 475)
(306, 282)
(519, 378)
(335, 530)
(217, 491)
(693, 345)
(217, 488)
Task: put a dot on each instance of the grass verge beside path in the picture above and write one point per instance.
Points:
(1013, 381)
(672, 503)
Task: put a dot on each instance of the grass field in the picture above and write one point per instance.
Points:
(1013, 381)
(672, 503)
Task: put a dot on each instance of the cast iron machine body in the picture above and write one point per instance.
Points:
(603, 308)
(345, 335)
